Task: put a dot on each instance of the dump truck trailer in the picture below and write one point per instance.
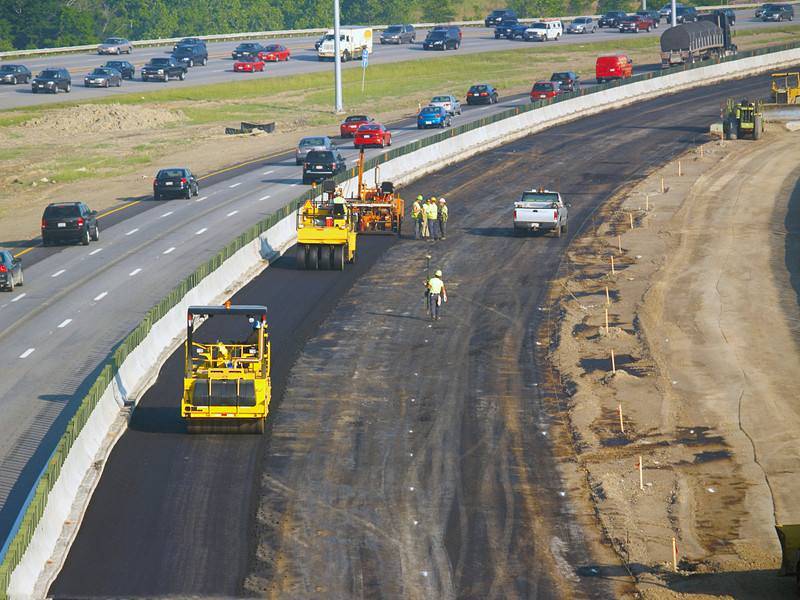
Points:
(709, 37)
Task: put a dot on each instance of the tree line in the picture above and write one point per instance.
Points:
(52, 23)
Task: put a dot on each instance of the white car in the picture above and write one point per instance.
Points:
(115, 46)
(449, 103)
(544, 31)
(582, 25)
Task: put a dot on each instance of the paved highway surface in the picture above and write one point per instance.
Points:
(180, 514)
(304, 60)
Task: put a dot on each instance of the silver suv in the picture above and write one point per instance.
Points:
(307, 144)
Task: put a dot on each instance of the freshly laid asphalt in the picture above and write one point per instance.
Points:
(177, 514)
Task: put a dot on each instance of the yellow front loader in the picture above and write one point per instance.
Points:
(326, 232)
(226, 382)
(784, 104)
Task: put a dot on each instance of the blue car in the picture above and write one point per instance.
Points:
(433, 116)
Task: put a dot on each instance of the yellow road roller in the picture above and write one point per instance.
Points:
(326, 231)
(226, 382)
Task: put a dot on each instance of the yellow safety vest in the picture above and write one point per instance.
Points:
(431, 210)
(435, 285)
(443, 208)
(416, 209)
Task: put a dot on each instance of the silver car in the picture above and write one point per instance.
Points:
(582, 25)
(115, 46)
(307, 144)
(449, 103)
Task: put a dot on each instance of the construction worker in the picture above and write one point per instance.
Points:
(433, 217)
(443, 217)
(436, 294)
(416, 214)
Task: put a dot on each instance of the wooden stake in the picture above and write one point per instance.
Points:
(630, 214)
(701, 151)
(621, 422)
(619, 244)
(613, 272)
(606, 310)
(680, 174)
(647, 202)
(641, 474)
(674, 555)
(613, 363)
(608, 297)
(662, 184)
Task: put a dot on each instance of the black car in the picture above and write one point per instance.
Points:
(569, 80)
(504, 27)
(15, 74)
(52, 80)
(247, 49)
(497, 16)
(163, 69)
(611, 18)
(482, 93)
(685, 14)
(760, 10)
(69, 222)
(322, 164)
(778, 12)
(103, 77)
(10, 271)
(399, 34)
(443, 39)
(125, 68)
(191, 54)
(653, 14)
(175, 183)
(189, 41)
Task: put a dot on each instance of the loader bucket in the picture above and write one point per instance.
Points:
(789, 535)
(781, 113)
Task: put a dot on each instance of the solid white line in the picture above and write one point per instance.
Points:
(27, 353)
(20, 297)
(134, 272)
(132, 231)
(233, 212)
(270, 172)
(267, 197)
(233, 185)
(168, 250)
(201, 231)
(93, 252)
(166, 214)
(59, 272)
(64, 323)
(295, 184)
(100, 296)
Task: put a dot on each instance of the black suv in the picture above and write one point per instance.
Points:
(176, 183)
(163, 69)
(569, 80)
(14, 74)
(191, 55)
(322, 164)
(126, 69)
(685, 14)
(443, 39)
(611, 18)
(246, 49)
(69, 222)
(189, 41)
(497, 16)
(504, 27)
(778, 12)
(52, 80)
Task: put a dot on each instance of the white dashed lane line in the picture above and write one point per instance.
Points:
(20, 297)
(268, 172)
(93, 252)
(201, 198)
(166, 214)
(267, 197)
(100, 296)
(64, 323)
(132, 231)
(59, 272)
(134, 272)
(27, 353)
(233, 185)
(201, 231)
(233, 212)
(170, 249)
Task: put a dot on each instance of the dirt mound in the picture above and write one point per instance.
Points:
(104, 117)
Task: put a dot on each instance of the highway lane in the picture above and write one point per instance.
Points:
(78, 302)
(304, 60)
(176, 514)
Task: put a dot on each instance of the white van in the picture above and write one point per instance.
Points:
(352, 40)
(543, 31)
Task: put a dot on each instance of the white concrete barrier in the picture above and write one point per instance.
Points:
(52, 538)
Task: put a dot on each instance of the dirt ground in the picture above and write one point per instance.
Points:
(702, 320)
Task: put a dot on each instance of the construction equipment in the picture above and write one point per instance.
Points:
(784, 103)
(378, 209)
(226, 383)
(707, 38)
(743, 118)
(789, 535)
(326, 231)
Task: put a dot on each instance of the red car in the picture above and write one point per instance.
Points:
(248, 64)
(543, 90)
(274, 53)
(372, 134)
(636, 23)
(351, 124)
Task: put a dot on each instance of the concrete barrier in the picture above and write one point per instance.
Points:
(52, 538)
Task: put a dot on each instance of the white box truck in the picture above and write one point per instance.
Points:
(352, 40)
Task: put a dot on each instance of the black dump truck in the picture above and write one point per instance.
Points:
(708, 37)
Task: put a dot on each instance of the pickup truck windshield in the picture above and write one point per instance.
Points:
(539, 197)
(159, 61)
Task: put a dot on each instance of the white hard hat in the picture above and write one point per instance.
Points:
(438, 273)
(442, 200)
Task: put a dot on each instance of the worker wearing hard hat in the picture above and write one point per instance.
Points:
(416, 215)
(432, 212)
(436, 294)
(442, 217)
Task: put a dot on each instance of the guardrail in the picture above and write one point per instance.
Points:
(23, 530)
(288, 33)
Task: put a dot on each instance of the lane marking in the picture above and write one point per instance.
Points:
(119, 208)
(295, 184)
(64, 323)
(201, 231)
(93, 252)
(59, 272)
(233, 212)
(271, 171)
(21, 252)
(134, 272)
(168, 250)
(166, 214)
(27, 353)
(132, 231)
(20, 297)
(233, 185)
(201, 198)
(267, 197)
(100, 296)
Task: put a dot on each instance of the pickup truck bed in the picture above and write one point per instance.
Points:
(540, 210)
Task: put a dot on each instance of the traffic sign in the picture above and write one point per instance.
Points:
(364, 57)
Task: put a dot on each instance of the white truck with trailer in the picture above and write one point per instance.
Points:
(540, 210)
(352, 41)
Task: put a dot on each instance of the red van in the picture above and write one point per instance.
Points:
(613, 66)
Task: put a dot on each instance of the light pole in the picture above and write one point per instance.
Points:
(337, 59)
(673, 13)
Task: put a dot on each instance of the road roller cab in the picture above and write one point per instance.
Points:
(326, 231)
(226, 385)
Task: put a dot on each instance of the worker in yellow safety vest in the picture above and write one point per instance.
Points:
(442, 217)
(416, 214)
(432, 212)
(436, 294)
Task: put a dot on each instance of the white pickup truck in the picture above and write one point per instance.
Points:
(540, 209)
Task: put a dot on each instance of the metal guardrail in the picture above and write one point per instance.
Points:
(22, 532)
(227, 37)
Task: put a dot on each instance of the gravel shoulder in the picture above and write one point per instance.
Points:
(702, 321)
